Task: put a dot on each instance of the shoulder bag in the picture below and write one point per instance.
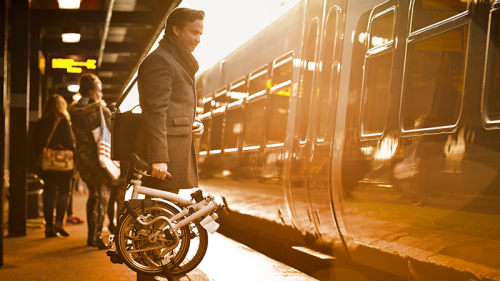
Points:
(124, 129)
(102, 137)
(57, 158)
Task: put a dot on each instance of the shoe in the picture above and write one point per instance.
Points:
(60, 229)
(74, 220)
(50, 231)
(98, 244)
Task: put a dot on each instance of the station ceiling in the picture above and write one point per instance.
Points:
(117, 34)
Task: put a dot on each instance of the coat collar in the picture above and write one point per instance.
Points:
(181, 54)
(85, 106)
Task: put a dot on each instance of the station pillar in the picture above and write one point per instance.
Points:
(35, 93)
(3, 90)
(19, 114)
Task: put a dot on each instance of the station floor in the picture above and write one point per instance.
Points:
(34, 257)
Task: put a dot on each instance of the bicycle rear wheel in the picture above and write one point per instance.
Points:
(142, 255)
(197, 249)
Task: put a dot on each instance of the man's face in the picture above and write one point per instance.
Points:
(190, 35)
(96, 94)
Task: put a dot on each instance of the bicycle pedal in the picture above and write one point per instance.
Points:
(209, 224)
(197, 196)
(114, 257)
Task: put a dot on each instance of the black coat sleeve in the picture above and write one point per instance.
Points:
(66, 135)
(155, 89)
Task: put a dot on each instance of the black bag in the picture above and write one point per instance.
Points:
(124, 132)
(124, 126)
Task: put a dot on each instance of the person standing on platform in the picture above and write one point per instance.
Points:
(86, 116)
(166, 80)
(166, 84)
(52, 130)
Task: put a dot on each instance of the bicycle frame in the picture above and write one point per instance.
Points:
(207, 205)
(153, 235)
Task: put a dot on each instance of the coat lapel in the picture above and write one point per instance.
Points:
(184, 57)
(181, 54)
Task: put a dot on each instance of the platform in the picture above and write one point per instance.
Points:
(35, 257)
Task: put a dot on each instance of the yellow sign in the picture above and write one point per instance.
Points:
(41, 64)
(73, 66)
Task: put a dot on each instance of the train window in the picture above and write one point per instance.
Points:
(307, 75)
(258, 81)
(377, 78)
(216, 132)
(238, 90)
(253, 123)
(280, 99)
(428, 12)
(207, 104)
(329, 73)
(434, 80)
(282, 76)
(204, 137)
(376, 93)
(492, 94)
(278, 119)
(221, 98)
(234, 127)
(382, 30)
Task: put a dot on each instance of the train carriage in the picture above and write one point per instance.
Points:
(369, 126)
(368, 130)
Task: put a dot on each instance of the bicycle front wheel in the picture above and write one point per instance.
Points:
(142, 254)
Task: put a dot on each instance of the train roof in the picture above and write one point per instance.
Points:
(280, 37)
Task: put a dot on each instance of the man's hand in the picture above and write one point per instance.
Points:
(197, 129)
(159, 170)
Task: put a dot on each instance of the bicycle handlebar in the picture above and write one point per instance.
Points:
(144, 166)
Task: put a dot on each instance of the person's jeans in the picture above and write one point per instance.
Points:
(57, 186)
(97, 205)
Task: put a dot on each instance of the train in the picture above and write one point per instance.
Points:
(366, 130)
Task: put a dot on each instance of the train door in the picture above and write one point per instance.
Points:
(323, 126)
(216, 132)
(277, 108)
(303, 218)
(250, 166)
(233, 128)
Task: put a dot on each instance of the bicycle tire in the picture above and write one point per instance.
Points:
(144, 263)
(197, 249)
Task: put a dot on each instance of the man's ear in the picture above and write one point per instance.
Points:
(175, 30)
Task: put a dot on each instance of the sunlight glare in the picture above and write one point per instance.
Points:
(227, 25)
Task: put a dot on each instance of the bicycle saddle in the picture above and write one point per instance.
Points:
(140, 164)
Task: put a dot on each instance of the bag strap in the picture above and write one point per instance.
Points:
(125, 94)
(56, 123)
(103, 122)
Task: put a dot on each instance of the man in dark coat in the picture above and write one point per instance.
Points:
(85, 117)
(166, 83)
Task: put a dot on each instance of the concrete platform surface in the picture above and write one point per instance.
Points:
(35, 257)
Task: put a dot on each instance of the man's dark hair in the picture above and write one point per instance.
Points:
(88, 82)
(180, 17)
